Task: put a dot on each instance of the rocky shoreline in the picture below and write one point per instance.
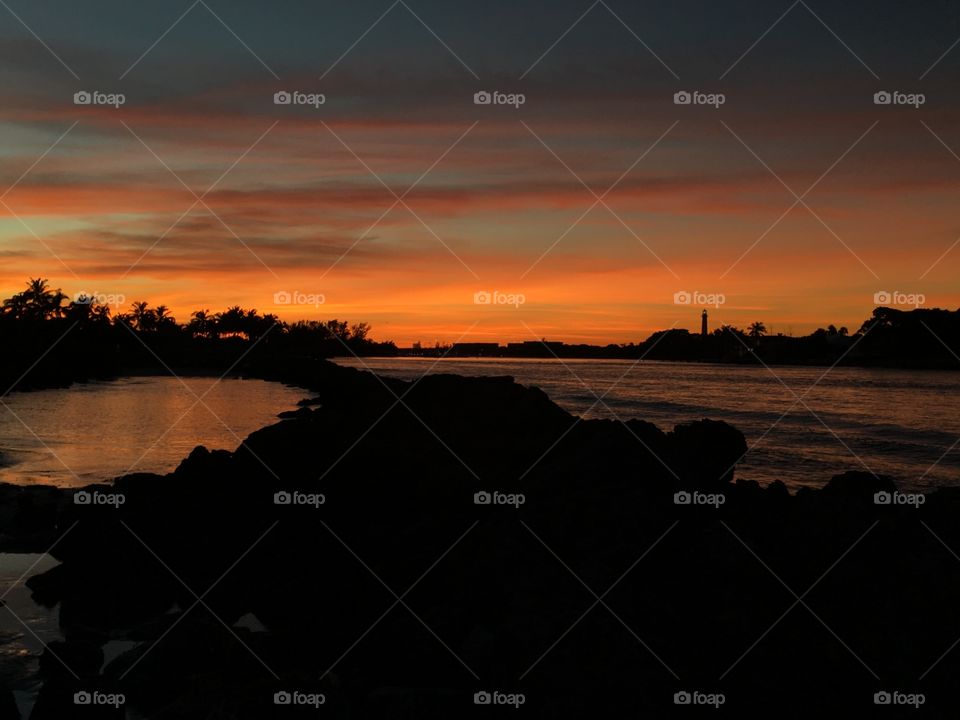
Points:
(405, 548)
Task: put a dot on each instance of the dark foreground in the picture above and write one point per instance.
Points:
(386, 591)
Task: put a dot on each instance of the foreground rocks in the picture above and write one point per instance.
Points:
(398, 556)
(28, 517)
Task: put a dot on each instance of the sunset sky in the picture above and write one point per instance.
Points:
(302, 197)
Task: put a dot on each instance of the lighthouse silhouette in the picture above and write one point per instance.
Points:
(703, 324)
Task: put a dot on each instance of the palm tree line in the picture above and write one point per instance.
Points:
(40, 303)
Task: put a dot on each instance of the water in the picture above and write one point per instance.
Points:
(896, 422)
(98, 431)
(24, 626)
(900, 423)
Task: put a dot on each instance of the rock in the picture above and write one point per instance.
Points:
(858, 485)
(28, 516)
(310, 402)
(778, 491)
(303, 412)
(495, 584)
(706, 452)
(199, 462)
(49, 587)
(62, 658)
(8, 706)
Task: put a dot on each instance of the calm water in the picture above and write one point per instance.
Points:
(98, 431)
(901, 423)
(24, 626)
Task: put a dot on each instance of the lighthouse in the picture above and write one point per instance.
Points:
(703, 324)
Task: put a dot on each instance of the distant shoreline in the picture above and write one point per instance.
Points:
(652, 361)
(199, 372)
(53, 346)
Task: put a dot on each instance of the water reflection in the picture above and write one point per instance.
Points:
(94, 432)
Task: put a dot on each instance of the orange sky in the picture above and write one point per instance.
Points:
(299, 202)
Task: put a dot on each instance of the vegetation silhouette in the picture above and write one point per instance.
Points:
(50, 340)
(925, 338)
(53, 341)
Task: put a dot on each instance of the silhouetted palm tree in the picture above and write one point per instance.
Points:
(15, 306)
(162, 317)
(757, 330)
(37, 302)
(232, 322)
(142, 317)
(201, 324)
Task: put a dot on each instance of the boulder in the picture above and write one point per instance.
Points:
(705, 453)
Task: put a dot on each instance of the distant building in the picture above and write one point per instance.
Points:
(527, 344)
(534, 348)
(475, 349)
(703, 324)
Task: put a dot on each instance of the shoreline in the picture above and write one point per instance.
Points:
(628, 361)
(200, 372)
(740, 416)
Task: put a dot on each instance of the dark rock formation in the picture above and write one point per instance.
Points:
(8, 706)
(407, 545)
(28, 517)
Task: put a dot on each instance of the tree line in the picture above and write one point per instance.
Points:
(891, 337)
(51, 339)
